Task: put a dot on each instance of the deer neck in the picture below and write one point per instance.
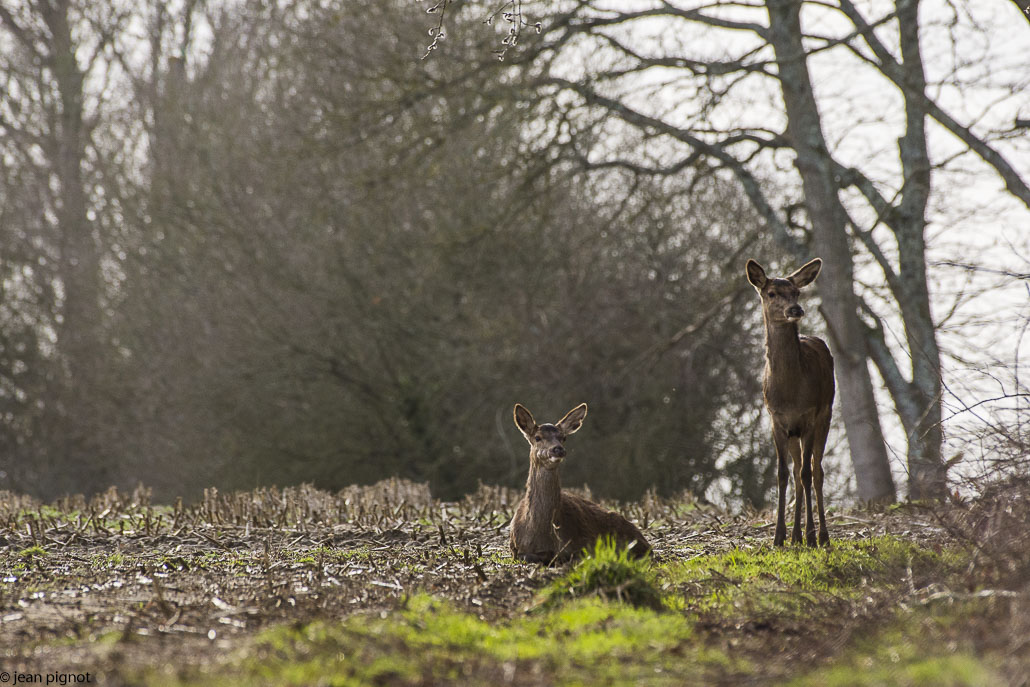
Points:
(543, 493)
(782, 349)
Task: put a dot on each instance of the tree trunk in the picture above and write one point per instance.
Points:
(79, 335)
(830, 242)
(921, 413)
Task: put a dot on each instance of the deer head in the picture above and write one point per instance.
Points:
(780, 296)
(547, 441)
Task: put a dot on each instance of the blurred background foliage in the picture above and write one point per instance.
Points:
(263, 243)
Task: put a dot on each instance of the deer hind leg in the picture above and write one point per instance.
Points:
(783, 477)
(794, 445)
(541, 557)
(817, 478)
(806, 481)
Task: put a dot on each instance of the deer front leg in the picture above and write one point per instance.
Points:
(794, 446)
(817, 479)
(783, 475)
(806, 481)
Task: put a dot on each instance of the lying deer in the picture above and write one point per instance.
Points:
(551, 525)
(798, 389)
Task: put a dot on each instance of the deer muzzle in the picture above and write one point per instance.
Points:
(794, 313)
(553, 456)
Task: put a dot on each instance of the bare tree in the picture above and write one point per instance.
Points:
(695, 86)
(55, 65)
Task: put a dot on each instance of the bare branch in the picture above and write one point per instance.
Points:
(697, 15)
(894, 71)
(716, 151)
(1022, 276)
(696, 67)
(437, 32)
(876, 343)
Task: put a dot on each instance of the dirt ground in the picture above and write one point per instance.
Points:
(115, 584)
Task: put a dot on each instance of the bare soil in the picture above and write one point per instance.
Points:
(113, 585)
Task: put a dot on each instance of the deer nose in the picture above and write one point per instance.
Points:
(558, 451)
(795, 312)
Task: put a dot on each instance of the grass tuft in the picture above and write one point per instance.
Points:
(610, 574)
(32, 552)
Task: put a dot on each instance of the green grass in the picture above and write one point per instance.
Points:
(609, 573)
(42, 512)
(902, 669)
(137, 518)
(791, 581)
(583, 642)
(110, 561)
(327, 554)
(32, 552)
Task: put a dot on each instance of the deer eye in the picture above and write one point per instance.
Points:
(537, 438)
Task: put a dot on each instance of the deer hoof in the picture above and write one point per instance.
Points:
(795, 537)
(824, 538)
(810, 538)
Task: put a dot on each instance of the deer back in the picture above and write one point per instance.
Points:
(581, 522)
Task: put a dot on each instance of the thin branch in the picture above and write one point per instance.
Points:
(876, 343)
(636, 169)
(697, 15)
(889, 67)
(716, 151)
(1023, 276)
(437, 32)
(695, 67)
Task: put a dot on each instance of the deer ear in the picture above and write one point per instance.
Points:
(524, 420)
(755, 274)
(573, 419)
(807, 273)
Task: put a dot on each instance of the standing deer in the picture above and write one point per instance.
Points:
(551, 525)
(798, 389)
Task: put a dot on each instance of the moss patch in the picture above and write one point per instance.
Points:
(790, 582)
(587, 641)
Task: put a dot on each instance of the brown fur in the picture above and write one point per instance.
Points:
(551, 525)
(798, 388)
